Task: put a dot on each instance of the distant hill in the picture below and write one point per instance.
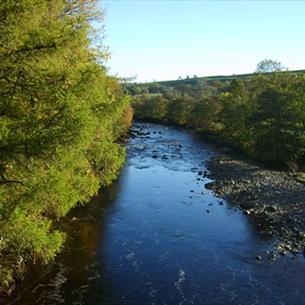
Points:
(159, 87)
(220, 78)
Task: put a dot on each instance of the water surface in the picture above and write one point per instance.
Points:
(157, 236)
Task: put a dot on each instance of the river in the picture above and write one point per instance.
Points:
(157, 236)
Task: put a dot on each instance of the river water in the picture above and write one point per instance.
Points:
(157, 236)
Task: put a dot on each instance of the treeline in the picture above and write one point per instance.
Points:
(263, 116)
(61, 117)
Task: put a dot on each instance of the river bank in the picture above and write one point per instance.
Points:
(273, 199)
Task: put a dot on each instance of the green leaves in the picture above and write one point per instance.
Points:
(31, 237)
(263, 116)
(59, 112)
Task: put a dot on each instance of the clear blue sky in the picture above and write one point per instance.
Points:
(165, 39)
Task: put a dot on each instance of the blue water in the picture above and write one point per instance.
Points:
(157, 236)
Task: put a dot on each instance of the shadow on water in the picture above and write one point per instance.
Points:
(157, 236)
(66, 280)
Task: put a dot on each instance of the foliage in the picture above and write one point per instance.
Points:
(269, 66)
(153, 107)
(59, 113)
(263, 116)
(204, 115)
(179, 109)
(279, 119)
(236, 109)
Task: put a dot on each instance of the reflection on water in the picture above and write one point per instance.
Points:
(157, 236)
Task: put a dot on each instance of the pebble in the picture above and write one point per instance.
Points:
(274, 198)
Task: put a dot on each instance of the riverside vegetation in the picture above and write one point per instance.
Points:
(61, 120)
(262, 117)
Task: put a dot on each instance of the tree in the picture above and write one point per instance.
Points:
(179, 109)
(150, 107)
(58, 116)
(269, 66)
(278, 121)
(204, 115)
(237, 106)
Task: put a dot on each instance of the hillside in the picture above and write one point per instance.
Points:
(160, 86)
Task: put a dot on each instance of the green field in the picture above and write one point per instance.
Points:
(208, 79)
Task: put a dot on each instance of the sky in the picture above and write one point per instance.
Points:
(165, 39)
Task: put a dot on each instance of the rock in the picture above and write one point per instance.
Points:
(271, 208)
(275, 201)
(248, 204)
(258, 257)
(209, 185)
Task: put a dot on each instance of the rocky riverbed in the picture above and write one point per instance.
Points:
(273, 199)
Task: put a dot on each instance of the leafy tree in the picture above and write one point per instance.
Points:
(58, 116)
(179, 110)
(278, 121)
(269, 66)
(205, 114)
(236, 109)
(152, 107)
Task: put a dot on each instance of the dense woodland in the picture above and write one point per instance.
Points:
(61, 118)
(262, 115)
